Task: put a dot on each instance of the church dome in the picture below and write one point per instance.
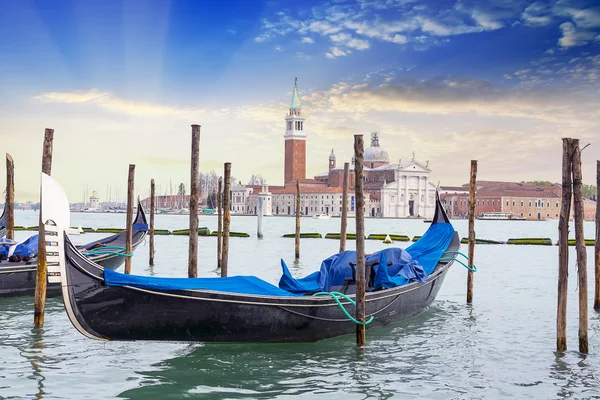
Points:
(375, 153)
(332, 156)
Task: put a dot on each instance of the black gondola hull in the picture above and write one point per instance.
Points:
(126, 313)
(18, 278)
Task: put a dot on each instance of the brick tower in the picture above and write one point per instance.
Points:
(295, 141)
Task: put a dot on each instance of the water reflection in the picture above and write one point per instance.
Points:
(391, 363)
(574, 376)
(34, 353)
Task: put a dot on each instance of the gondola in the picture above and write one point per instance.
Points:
(3, 223)
(106, 305)
(18, 278)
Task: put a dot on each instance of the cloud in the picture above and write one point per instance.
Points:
(571, 36)
(454, 97)
(72, 97)
(345, 40)
(114, 103)
(363, 22)
(278, 48)
(336, 52)
(537, 14)
(350, 24)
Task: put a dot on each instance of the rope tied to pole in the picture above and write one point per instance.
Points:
(336, 296)
(474, 269)
(111, 250)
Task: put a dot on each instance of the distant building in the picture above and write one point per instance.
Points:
(527, 200)
(94, 201)
(391, 190)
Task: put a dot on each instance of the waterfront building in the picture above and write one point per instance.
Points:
(527, 200)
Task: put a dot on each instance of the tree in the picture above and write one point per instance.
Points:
(256, 180)
(181, 190)
(589, 191)
(540, 183)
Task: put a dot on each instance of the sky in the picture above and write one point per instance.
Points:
(121, 82)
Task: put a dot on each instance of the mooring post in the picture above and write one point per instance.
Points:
(9, 207)
(152, 205)
(471, 253)
(597, 244)
(360, 240)
(563, 247)
(259, 217)
(39, 304)
(129, 228)
(226, 218)
(297, 247)
(220, 223)
(344, 222)
(194, 199)
(582, 286)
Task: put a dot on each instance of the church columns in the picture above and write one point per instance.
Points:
(419, 198)
(406, 198)
(397, 205)
(427, 203)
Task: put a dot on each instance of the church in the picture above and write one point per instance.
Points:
(399, 190)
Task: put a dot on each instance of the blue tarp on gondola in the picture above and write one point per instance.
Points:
(5, 245)
(233, 284)
(27, 248)
(412, 264)
(307, 284)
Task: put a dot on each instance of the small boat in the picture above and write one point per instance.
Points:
(500, 216)
(3, 223)
(321, 216)
(18, 278)
(107, 305)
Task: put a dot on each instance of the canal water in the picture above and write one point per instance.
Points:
(502, 346)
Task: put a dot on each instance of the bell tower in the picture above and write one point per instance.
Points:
(295, 140)
(331, 160)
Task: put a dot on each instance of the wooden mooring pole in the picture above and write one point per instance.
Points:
(194, 199)
(9, 207)
(39, 304)
(226, 218)
(129, 228)
(563, 247)
(360, 240)
(344, 222)
(597, 244)
(582, 286)
(471, 254)
(219, 222)
(297, 241)
(152, 205)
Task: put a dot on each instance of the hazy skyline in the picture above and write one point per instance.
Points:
(121, 82)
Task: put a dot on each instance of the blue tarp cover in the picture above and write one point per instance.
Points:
(233, 284)
(413, 264)
(307, 284)
(5, 245)
(27, 248)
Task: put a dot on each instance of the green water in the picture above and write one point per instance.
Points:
(500, 347)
